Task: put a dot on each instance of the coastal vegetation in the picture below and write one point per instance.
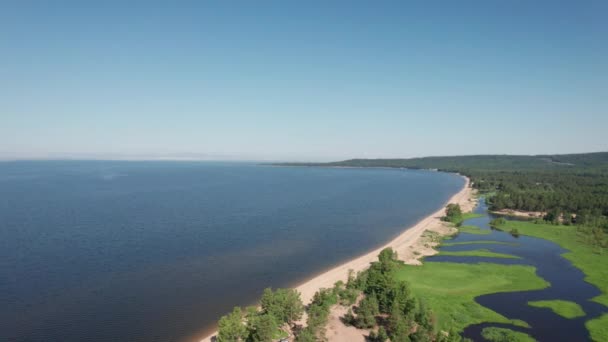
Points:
(380, 300)
(564, 308)
(391, 308)
(473, 230)
(277, 308)
(454, 214)
(479, 253)
(494, 334)
(318, 313)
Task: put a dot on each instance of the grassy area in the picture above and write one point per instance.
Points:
(591, 260)
(466, 216)
(479, 242)
(493, 334)
(520, 323)
(598, 328)
(480, 253)
(563, 308)
(473, 230)
(470, 215)
(450, 293)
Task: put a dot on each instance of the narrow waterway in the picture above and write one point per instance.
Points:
(567, 283)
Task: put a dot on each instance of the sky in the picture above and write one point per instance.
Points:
(301, 80)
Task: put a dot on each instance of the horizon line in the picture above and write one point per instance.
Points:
(219, 158)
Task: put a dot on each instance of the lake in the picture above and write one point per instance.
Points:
(157, 251)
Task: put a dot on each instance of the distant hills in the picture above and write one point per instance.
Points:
(597, 161)
(562, 183)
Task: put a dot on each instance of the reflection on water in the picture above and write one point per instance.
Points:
(567, 283)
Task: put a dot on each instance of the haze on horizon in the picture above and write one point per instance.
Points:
(301, 81)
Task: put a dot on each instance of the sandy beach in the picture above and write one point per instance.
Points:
(409, 245)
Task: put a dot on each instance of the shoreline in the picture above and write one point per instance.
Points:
(403, 244)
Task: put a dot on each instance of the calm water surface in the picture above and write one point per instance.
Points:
(157, 251)
(567, 283)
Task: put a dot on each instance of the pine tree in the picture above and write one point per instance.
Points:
(398, 326)
(366, 314)
(423, 316)
(264, 328)
(231, 327)
(381, 336)
(402, 298)
(306, 335)
(400, 332)
(284, 304)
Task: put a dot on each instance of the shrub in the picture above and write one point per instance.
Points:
(497, 222)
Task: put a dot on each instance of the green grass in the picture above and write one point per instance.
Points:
(598, 328)
(563, 308)
(480, 253)
(591, 260)
(493, 334)
(473, 230)
(479, 242)
(466, 216)
(520, 323)
(450, 289)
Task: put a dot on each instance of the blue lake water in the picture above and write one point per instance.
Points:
(157, 251)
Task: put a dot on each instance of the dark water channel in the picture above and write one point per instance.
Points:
(567, 283)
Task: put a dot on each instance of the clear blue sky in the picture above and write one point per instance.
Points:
(302, 80)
